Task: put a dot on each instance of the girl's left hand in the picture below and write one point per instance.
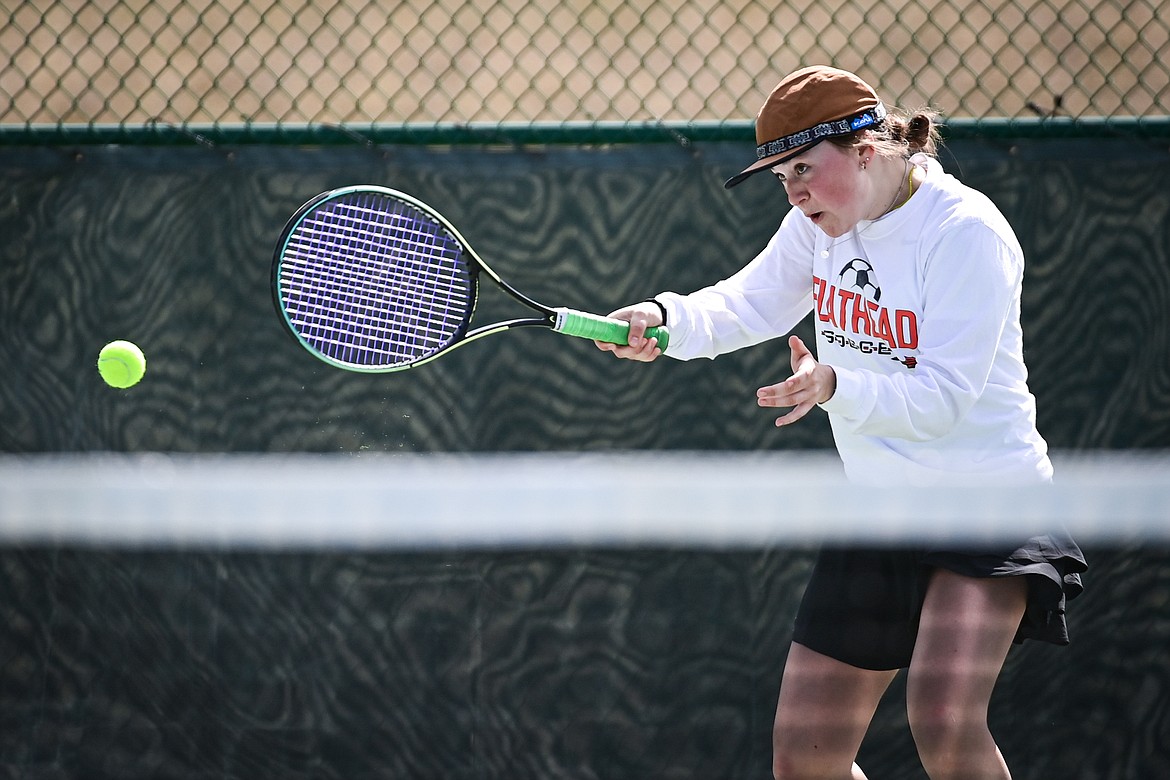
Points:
(811, 383)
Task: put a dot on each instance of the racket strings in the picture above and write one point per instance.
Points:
(373, 281)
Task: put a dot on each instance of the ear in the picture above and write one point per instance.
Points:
(865, 154)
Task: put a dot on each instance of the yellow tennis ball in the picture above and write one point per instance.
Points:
(121, 364)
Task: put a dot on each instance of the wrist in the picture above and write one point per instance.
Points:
(661, 309)
(830, 383)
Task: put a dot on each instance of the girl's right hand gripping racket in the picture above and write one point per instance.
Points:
(370, 279)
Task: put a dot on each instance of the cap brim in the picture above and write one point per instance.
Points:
(768, 162)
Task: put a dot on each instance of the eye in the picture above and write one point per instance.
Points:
(798, 171)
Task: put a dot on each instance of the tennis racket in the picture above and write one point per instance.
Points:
(370, 279)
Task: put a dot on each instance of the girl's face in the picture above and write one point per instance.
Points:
(828, 184)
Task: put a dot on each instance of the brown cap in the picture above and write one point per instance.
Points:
(807, 107)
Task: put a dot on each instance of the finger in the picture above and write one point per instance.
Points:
(621, 350)
(647, 351)
(637, 332)
(785, 393)
(797, 413)
(802, 359)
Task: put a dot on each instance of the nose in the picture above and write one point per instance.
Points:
(797, 192)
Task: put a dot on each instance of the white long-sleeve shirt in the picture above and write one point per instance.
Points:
(919, 315)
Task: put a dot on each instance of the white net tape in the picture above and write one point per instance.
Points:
(530, 500)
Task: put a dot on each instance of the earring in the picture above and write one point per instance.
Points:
(864, 163)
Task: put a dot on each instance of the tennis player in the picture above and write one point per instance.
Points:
(913, 280)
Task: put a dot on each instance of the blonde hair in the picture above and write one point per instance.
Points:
(900, 135)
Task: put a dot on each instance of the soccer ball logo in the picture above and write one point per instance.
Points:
(858, 275)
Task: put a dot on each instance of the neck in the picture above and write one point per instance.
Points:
(902, 190)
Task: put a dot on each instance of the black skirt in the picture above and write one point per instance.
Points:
(862, 606)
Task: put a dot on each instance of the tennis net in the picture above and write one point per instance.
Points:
(484, 617)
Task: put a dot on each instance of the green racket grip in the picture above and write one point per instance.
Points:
(593, 326)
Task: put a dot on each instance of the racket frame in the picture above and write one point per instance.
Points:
(563, 320)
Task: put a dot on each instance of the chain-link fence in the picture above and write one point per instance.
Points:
(355, 62)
